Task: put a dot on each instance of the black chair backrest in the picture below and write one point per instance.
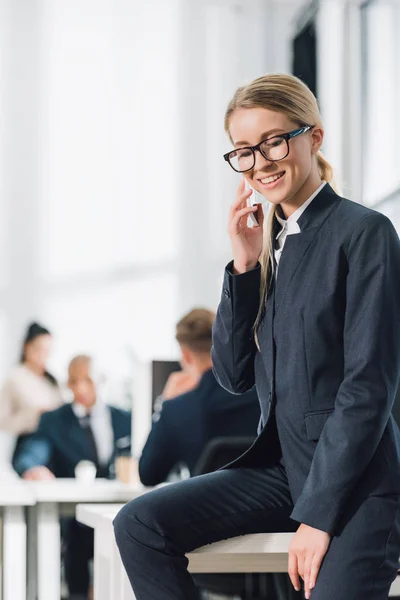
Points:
(221, 451)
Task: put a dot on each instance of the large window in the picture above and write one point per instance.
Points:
(108, 228)
(381, 121)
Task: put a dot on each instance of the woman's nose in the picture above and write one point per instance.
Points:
(261, 161)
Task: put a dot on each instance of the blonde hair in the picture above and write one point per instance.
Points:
(194, 330)
(289, 95)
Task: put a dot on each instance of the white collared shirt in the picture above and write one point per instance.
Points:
(290, 226)
(100, 422)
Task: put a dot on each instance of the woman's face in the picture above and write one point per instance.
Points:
(37, 352)
(284, 180)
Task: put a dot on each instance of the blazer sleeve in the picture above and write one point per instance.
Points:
(35, 450)
(160, 453)
(364, 400)
(234, 347)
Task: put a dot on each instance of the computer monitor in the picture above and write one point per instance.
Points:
(304, 63)
(160, 371)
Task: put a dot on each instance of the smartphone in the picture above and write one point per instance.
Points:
(252, 201)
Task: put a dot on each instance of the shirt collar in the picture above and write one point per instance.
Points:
(81, 412)
(291, 223)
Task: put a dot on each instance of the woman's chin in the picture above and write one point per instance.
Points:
(275, 197)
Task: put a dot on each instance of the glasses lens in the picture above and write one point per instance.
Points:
(275, 148)
(242, 159)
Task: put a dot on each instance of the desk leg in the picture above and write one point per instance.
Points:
(32, 554)
(126, 588)
(120, 586)
(101, 566)
(48, 551)
(110, 579)
(14, 553)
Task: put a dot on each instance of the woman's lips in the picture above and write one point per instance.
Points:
(274, 183)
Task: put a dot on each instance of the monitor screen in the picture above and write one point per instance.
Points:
(160, 371)
(305, 56)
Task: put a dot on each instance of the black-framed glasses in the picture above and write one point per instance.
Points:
(273, 148)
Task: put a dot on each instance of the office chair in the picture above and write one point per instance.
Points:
(220, 451)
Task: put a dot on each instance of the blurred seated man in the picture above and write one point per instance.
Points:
(87, 429)
(195, 408)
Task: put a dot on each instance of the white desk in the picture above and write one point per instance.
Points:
(110, 578)
(53, 499)
(111, 581)
(14, 497)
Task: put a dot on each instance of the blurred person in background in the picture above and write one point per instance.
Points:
(196, 409)
(86, 430)
(29, 390)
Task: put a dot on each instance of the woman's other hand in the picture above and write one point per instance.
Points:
(306, 553)
(246, 242)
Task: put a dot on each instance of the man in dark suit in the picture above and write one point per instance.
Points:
(87, 430)
(195, 408)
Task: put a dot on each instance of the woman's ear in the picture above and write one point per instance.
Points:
(317, 137)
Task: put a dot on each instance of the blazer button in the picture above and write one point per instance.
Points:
(227, 293)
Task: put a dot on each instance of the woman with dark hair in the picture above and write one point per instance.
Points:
(30, 389)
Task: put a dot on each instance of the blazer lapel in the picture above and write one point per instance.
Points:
(293, 252)
(296, 246)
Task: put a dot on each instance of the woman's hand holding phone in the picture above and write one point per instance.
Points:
(246, 242)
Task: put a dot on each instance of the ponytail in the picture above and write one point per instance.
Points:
(326, 171)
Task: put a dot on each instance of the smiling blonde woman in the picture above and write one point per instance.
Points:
(310, 314)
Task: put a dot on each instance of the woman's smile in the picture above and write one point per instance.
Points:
(271, 181)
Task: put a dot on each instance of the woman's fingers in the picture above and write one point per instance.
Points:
(293, 571)
(307, 567)
(242, 195)
(315, 567)
(309, 546)
(234, 225)
(307, 572)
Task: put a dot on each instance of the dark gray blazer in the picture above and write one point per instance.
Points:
(329, 361)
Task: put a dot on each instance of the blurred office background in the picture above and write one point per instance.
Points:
(114, 194)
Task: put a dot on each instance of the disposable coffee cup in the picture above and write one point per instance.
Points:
(85, 471)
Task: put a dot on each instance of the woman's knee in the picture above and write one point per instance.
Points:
(141, 520)
(122, 522)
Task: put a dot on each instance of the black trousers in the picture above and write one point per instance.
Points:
(154, 532)
(78, 551)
